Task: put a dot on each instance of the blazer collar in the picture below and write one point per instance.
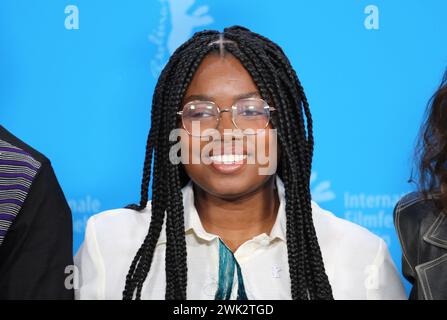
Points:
(437, 233)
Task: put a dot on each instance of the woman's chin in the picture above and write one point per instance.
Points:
(233, 188)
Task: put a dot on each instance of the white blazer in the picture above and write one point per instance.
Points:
(356, 261)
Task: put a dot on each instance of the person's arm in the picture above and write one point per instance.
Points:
(382, 279)
(39, 245)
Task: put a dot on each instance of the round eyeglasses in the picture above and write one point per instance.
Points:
(248, 115)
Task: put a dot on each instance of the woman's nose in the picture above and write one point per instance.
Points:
(225, 121)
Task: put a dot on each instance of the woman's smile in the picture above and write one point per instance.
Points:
(228, 163)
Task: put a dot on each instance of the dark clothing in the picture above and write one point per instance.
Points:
(422, 230)
(36, 242)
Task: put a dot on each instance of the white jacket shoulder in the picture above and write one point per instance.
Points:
(332, 229)
(357, 261)
(112, 239)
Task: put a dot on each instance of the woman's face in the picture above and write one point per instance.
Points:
(223, 80)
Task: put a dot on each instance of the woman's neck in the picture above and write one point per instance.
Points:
(241, 219)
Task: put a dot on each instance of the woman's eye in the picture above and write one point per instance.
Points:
(200, 115)
(250, 113)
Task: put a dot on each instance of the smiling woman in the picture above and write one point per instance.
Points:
(219, 227)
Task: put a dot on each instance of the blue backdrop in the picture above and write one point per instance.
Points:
(77, 77)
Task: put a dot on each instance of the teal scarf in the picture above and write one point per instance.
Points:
(227, 264)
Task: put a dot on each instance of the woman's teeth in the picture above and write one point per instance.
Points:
(228, 158)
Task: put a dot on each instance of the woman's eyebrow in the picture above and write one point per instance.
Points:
(198, 97)
(247, 95)
(204, 97)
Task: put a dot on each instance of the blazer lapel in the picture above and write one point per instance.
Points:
(437, 233)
